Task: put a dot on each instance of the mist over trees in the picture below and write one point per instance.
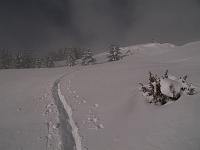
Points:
(70, 56)
(28, 59)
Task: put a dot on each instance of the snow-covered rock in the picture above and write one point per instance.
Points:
(171, 88)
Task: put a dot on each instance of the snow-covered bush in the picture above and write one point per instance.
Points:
(152, 91)
(167, 88)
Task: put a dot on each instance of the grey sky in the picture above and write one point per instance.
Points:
(97, 23)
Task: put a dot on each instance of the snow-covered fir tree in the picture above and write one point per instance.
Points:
(70, 57)
(152, 91)
(24, 59)
(5, 59)
(19, 60)
(88, 58)
(37, 62)
(49, 62)
(78, 52)
(28, 61)
(114, 53)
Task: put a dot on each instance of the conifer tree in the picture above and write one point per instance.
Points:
(114, 53)
(49, 62)
(87, 58)
(19, 60)
(5, 59)
(28, 59)
(70, 57)
(38, 63)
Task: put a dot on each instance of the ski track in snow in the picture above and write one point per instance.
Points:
(69, 134)
(68, 109)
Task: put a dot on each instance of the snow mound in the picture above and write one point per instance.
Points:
(170, 88)
(150, 48)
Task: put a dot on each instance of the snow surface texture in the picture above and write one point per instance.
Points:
(28, 116)
(106, 110)
(112, 115)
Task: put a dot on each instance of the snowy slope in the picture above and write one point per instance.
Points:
(150, 48)
(111, 113)
(107, 110)
(27, 112)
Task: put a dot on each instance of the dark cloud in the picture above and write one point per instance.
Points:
(168, 21)
(96, 23)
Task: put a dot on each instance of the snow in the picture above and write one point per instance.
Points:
(123, 120)
(27, 112)
(105, 109)
(68, 109)
(150, 48)
(170, 87)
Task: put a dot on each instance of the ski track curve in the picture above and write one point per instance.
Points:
(68, 131)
